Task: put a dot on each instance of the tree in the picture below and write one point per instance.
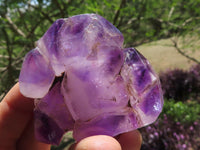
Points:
(22, 22)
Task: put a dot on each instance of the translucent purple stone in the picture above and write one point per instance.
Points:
(82, 79)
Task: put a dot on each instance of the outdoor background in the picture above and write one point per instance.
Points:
(166, 32)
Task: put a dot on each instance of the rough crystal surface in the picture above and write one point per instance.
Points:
(82, 79)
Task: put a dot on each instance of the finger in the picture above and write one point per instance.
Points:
(28, 142)
(15, 113)
(130, 140)
(98, 142)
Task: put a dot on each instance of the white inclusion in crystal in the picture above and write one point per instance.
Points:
(94, 17)
(90, 34)
(157, 106)
(153, 78)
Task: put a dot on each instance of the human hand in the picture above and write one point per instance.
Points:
(126, 141)
(16, 123)
(17, 129)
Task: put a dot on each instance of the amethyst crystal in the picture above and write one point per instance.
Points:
(82, 79)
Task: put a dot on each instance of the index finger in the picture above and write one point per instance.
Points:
(15, 113)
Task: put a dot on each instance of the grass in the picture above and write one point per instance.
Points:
(162, 55)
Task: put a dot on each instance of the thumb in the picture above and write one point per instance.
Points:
(98, 142)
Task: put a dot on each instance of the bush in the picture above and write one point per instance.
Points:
(194, 73)
(179, 85)
(185, 113)
(177, 128)
(165, 134)
(174, 84)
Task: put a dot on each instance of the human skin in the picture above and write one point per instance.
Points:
(17, 129)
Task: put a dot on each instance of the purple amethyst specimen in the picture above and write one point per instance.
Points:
(82, 79)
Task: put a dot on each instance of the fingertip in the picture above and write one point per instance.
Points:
(130, 140)
(17, 101)
(98, 142)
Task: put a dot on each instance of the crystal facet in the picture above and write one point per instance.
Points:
(82, 79)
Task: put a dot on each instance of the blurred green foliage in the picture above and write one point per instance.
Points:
(63, 144)
(23, 22)
(183, 112)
